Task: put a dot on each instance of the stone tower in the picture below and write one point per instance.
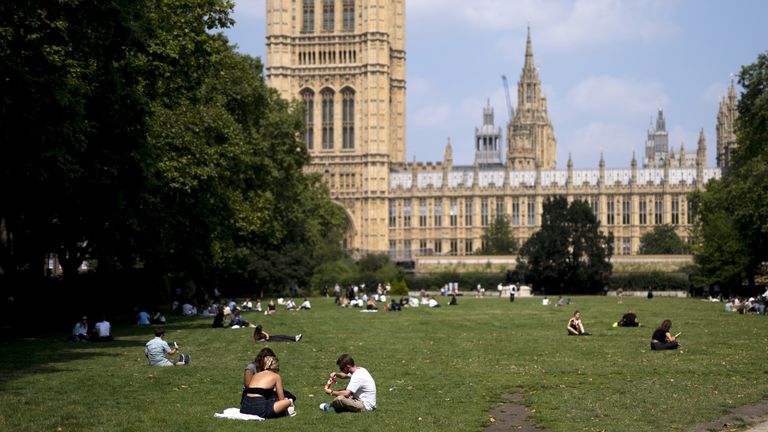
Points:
(345, 60)
(531, 139)
(488, 140)
(657, 144)
(726, 134)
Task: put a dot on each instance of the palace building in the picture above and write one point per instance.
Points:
(345, 60)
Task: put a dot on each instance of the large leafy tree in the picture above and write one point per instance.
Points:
(497, 237)
(662, 240)
(732, 214)
(568, 253)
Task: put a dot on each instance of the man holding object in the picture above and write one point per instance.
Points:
(360, 394)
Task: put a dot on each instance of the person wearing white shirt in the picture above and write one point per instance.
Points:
(103, 331)
(305, 304)
(157, 348)
(360, 394)
(80, 331)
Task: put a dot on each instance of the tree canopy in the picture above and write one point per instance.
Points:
(497, 237)
(569, 253)
(137, 138)
(732, 214)
(662, 240)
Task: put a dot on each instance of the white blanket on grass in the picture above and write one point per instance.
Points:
(235, 414)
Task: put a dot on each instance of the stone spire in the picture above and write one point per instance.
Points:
(530, 135)
(726, 135)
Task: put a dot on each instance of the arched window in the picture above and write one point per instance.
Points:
(348, 118)
(308, 24)
(349, 15)
(327, 97)
(308, 96)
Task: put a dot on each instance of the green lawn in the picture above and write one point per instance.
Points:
(448, 367)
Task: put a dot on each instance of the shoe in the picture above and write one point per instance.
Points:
(327, 407)
(291, 409)
(298, 337)
(187, 359)
(181, 358)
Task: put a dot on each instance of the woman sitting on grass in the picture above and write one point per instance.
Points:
(575, 327)
(263, 387)
(662, 339)
(259, 335)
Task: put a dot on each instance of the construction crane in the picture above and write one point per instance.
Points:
(510, 112)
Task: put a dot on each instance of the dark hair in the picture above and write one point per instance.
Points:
(345, 360)
(257, 332)
(264, 353)
(159, 331)
(666, 325)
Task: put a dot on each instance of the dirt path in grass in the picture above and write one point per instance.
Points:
(510, 415)
(749, 418)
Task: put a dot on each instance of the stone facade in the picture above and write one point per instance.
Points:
(726, 135)
(345, 59)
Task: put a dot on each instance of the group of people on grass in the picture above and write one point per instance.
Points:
(101, 331)
(661, 339)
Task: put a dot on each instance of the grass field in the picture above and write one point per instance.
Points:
(447, 368)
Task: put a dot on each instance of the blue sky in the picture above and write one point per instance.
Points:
(606, 67)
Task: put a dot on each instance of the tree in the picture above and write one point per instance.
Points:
(497, 237)
(662, 240)
(568, 253)
(732, 214)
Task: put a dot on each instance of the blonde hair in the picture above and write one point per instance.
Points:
(271, 364)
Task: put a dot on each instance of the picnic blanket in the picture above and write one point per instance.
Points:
(235, 414)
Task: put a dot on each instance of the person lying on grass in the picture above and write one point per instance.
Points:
(259, 335)
(628, 320)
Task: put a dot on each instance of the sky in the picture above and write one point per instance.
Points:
(606, 68)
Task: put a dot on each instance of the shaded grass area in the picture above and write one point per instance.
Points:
(448, 367)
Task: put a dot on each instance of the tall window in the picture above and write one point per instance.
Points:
(392, 247)
(675, 211)
(392, 214)
(468, 213)
(611, 214)
(438, 247)
(531, 211)
(468, 247)
(499, 207)
(484, 212)
(625, 246)
(422, 247)
(659, 211)
(308, 96)
(595, 206)
(642, 212)
(422, 212)
(515, 211)
(454, 213)
(349, 15)
(625, 211)
(407, 248)
(689, 214)
(348, 118)
(454, 247)
(438, 213)
(308, 24)
(327, 96)
(328, 18)
(407, 213)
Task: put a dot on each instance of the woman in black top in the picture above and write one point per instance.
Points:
(662, 339)
(263, 386)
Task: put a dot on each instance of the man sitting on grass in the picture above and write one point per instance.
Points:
(157, 348)
(360, 394)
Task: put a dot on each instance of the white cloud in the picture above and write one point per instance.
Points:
(611, 96)
(557, 24)
(250, 8)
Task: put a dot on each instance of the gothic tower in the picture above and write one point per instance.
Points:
(487, 140)
(726, 135)
(657, 144)
(345, 60)
(531, 139)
